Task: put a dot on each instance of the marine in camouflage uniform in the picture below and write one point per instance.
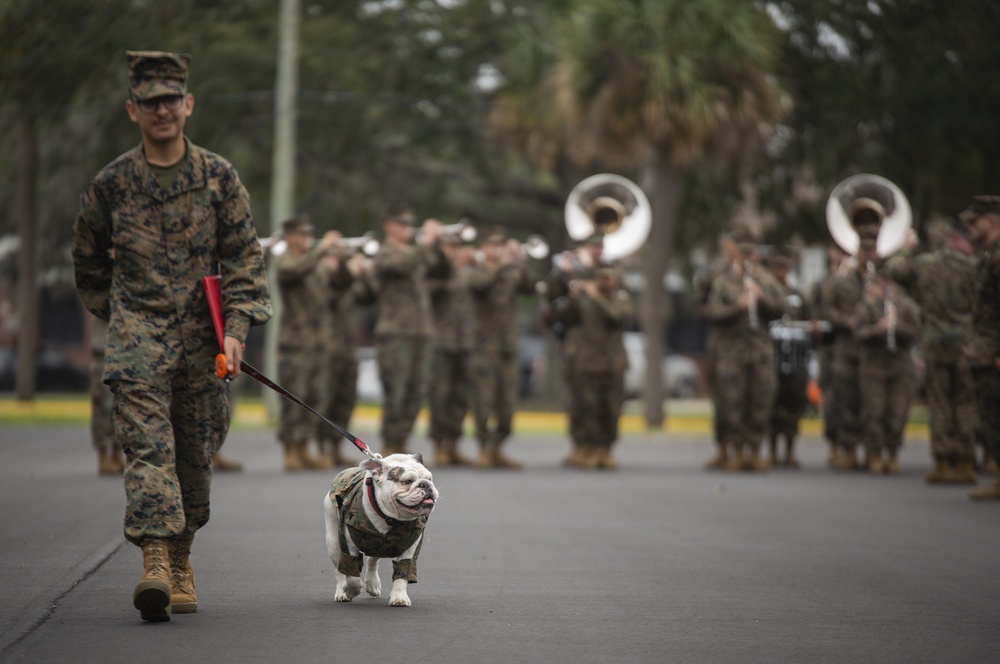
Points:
(102, 432)
(821, 299)
(495, 283)
(887, 324)
(595, 313)
(791, 351)
(304, 281)
(348, 288)
(742, 301)
(153, 223)
(454, 336)
(942, 282)
(403, 323)
(982, 220)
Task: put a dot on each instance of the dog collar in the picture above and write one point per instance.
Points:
(378, 510)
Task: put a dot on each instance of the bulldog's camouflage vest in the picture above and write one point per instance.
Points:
(346, 492)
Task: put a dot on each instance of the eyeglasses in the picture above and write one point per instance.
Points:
(170, 102)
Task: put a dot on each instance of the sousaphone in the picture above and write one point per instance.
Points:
(867, 194)
(611, 205)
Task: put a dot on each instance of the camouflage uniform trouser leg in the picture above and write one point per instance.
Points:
(168, 434)
(448, 393)
(595, 405)
(746, 387)
(494, 393)
(954, 416)
(988, 395)
(845, 406)
(339, 376)
(885, 396)
(299, 372)
(102, 433)
(789, 404)
(401, 371)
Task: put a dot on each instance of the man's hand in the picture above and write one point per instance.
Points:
(234, 355)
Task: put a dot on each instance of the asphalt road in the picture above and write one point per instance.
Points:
(657, 562)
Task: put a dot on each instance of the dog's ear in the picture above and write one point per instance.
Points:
(419, 457)
(376, 466)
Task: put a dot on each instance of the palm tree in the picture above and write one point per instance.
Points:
(647, 85)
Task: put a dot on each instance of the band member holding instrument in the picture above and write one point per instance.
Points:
(745, 380)
(791, 346)
(887, 323)
(403, 324)
(495, 282)
(821, 299)
(303, 280)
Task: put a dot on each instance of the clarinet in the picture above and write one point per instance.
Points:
(889, 310)
(751, 298)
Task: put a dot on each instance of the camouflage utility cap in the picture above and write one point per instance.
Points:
(401, 214)
(157, 73)
(979, 206)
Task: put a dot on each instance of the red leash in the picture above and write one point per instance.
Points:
(212, 295)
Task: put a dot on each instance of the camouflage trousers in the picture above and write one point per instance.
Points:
(886, 392)
(169, 434)
(448, 392)
(339, 376)
(790, 404)
(595, 405)
(494, 395)
(844, 407)
(951, 402)
(102, 432)
(401, 371)
(711, 368)
(301, 373)
(745, 385)
(987, 381)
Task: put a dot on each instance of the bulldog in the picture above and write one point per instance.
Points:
(378, 510)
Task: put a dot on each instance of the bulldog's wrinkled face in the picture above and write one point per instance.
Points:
(403, 485)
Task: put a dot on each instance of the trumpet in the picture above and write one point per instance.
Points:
(535, 247)
(273, 245)
(463, 229)
(366, 244)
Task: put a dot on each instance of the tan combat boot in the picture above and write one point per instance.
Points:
(773, 446)
(182, 596)
(735, 460)
(940, 474)
(312, 462)
(500, 460)
(455, 457)
(892, 465)
(152, 594)
(989, 492)
(757, 462)
(334, 454)
(293, 457)
(848, 459)
(718, 462)
(604, 458)
(485, 459)
(110, 462)
(223, 464)
(873, 462)
(441, 456)
(964, 473)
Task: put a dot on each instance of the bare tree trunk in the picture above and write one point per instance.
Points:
(27, 299)
(660, 179)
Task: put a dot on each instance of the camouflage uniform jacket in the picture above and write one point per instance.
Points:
(942, 283)
(303, 282)
(845, 293)
(494, 293)
(874, 342)
(403, 301)
(594, 327)
(730, 323)
(451, 303)
(985, 343)
(346, 492)
(164, 242)
(341, 334)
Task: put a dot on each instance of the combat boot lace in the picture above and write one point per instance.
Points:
(182, 595)
(152, 594)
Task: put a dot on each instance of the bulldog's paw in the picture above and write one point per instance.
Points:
(399, 600)
(348, 591)
(373, 586)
